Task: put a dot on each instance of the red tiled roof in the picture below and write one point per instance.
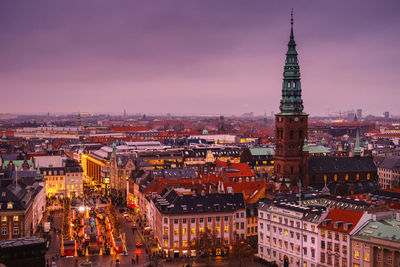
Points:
(210, 178)
(128, 128)
(244, 169)
(345, 216)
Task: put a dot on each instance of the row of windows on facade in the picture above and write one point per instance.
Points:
(201, 219)
(61, 178)
(252, 230)
(284, 221)
(201, 230)
(388, 258)
(279, 134)
(60, 172)
(185, 243)
(4, 218)
(387, 175)
(337, 235)
(15, 231)
(264, 162)
(328, 259)
(239, 180)
(77, 186)
(286, 233)
(335, 247)
(10, 205)
(292, 248)
(274, 253)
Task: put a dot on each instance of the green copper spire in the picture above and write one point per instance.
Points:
(291, 101)
(114, 149)
(305, 145)
(357, 148)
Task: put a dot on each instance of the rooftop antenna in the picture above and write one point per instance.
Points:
(16, 176)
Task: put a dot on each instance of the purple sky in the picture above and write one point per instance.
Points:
(214, 57)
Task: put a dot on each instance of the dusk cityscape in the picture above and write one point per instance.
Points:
(199, 133)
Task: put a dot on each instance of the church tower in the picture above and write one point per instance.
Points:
(291, 123)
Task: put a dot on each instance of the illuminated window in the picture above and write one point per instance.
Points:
(9, 205)
(165, 230)
(15, 218)
(4, 218)
(368, 176)
(356, 254)
(201, 229)
(176, 244)
(193, 231)
(274, 219)
(335, 177)
(358, 176)
(165, 243)
(366, 256)
(209, 228)
(347, 177)
(330, 234)
(176, 231)
(286, 233)
(218, 229)
(184, 243)
(344, 237)
(313, 228)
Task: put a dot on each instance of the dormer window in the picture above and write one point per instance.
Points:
(337, 224)
(347, 226)
(10, 205)
(326, 222)
(3, 194)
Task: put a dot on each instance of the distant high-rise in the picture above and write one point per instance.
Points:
(359, 113)
(386, 114)
(350, 116)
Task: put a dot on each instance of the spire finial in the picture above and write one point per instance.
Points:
(291, 17)
(357, 148)
(291, 25)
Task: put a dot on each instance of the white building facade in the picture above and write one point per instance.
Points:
(288, 233)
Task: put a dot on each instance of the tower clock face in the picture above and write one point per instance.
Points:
(296, 118)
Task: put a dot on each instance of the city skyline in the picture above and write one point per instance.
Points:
(195, 57)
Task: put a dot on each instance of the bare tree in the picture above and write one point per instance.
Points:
(241, 252)
(206, 244)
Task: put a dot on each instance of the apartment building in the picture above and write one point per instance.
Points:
(335, 231)
(177, 220)
(288, 233)
(377, 243)
(389, 172)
